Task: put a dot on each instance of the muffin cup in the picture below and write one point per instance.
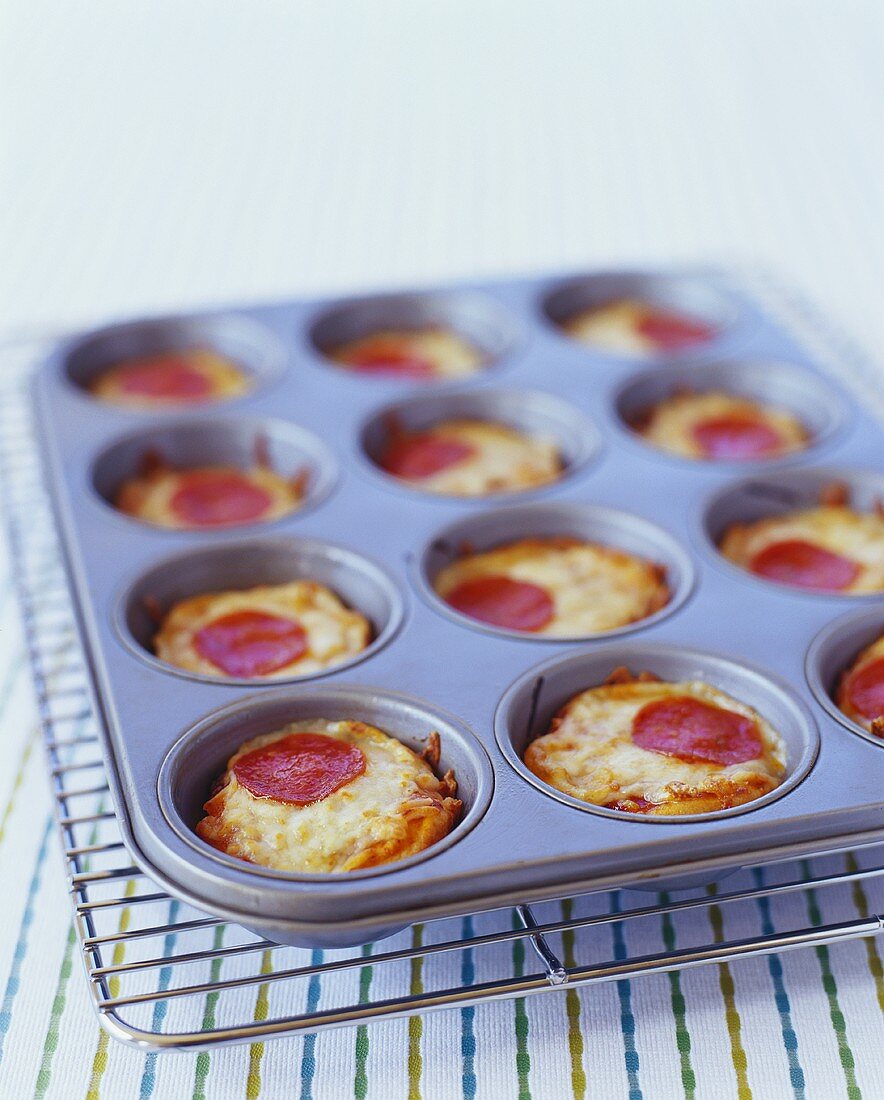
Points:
(833, 651)
(196, 760)
(533, 413)
(768, 495)
(248, 344)
(289, 449)
(528, 706)
(479, 320)
(361, 584)
(690, 295)
(817, 405)
(607, 526)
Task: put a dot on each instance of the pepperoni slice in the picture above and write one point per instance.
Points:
(165, 378)
(672, 331)
(736, 436)
(805, 565)
(388, 356)
(218, 498)
(693, 730)
(865, 689)
(415, 457)
(501, 601)
(250, 643)
(300, 768)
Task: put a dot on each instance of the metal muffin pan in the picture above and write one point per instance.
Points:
(167, 735)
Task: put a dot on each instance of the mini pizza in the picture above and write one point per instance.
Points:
(263, 633)
(554, 587)
(323, 797)
(830, 548)
(720, 426)
(860, 693)
(205, 497)
(470, 458)
(422, 354)
(642, 746)
(192, 376)
(629, 326)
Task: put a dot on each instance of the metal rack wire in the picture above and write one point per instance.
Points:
(165, 976)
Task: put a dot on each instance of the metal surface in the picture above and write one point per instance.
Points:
(165, 976)
(527, 846)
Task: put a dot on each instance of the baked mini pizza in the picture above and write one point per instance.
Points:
(263, 633)
(470, 458)
(630, 326)
(323, 797)
(209, 496)
(717, 425)
(860, 693)
(643, 746)
(193, 376)
(422, 354)
(829, 548)
(554, 587)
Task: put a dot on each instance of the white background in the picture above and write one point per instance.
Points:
(167, 154)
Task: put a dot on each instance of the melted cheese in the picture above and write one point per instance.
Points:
(594, 588)
(612, 327)
(589, 754)
(148, 497)
(855, 535)
(396, 808)
(225, 378)
(670, 423)
(334, 632)
(505, 460)
(450, 355)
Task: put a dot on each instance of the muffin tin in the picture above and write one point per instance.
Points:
(167, 734)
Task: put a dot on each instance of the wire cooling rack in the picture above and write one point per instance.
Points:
(165, 976)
